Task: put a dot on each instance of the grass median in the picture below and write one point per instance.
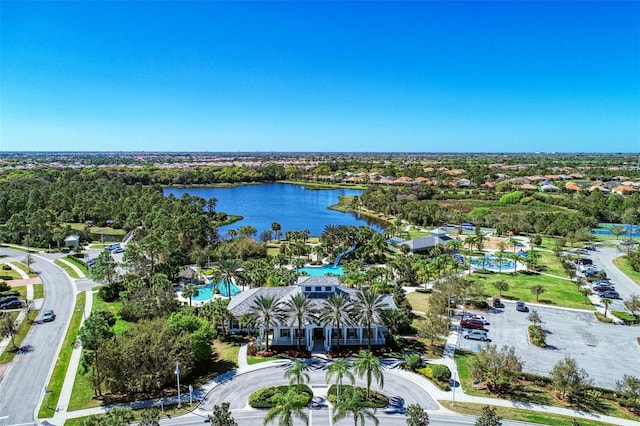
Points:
(622, 263)
(67, 268)
(24, 327)
(60, 369)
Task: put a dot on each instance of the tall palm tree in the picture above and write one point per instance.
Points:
(190, 290)
(341, 369)
(368, 365)
(300, 311)
(606, 302)
(268, 312)
(353, 405)
(368, 310)
(337, 310)
(286, 406)
(227, 272)
(297, 373)
(276, 229)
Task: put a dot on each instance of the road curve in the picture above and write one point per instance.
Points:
(24, 381)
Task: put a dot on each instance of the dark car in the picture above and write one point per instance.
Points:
(584, 261)
(14, 304)
(7, 299)
(497, 303)
(521, 307)
(48, 316)
(472, 323)
(602, 287)
(609, 294)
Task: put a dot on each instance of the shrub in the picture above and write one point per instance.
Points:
(429, 373)
(479, 304)
(263, 398)
(265, 354)
(412, 362)
(536, 336)
(252, 349)
(376, 399)
(441, 372)
(4, 286)
(6, 267)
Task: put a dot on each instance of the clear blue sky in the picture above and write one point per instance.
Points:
(320, 76)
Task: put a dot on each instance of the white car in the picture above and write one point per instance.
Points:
(477, 335)
(477, 317)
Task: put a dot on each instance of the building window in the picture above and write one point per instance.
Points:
(284, 332)
(318, 289)
(351, 333)
(307, 289)
(234, 324)
(327, 288)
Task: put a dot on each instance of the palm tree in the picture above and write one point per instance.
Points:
(297, 373)
(368, 365)
(606, 302)
(500, 256)
(585, 291)
(368, 310)
(300, 311)
(190, 290)
(276, 229)
(268, 312)
(341, 369)
(227, 272)
(352, 405)
(336, 311)
(286, 406)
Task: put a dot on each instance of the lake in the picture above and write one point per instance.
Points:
(294, 207)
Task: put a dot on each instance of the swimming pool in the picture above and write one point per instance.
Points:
(607, 233)
(206, 292)
(493, 264)
(321, 271)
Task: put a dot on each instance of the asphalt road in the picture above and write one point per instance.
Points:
(24, 381)
(625, 286)
(605, 351)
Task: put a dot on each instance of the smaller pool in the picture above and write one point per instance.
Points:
(493, 264)
(206, 292)
(321, 271)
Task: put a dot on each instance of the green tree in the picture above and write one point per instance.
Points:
(633, 304)
(8, 328)
(498, 369)
(286, 406)
(431, 326)
(190, 290)
(297, 373)
(606, 302)
(629, 387)
(96, 330)
(534, 317)
(501, 286)
(585, 291)
(368, 309)
(417, 416)
(104, 270)
(221, 416)
(368, 365)
(267, 311)
(569, 380)
(300, 311)
(341, 369)
(227, 272)
(352, 405)
(489, 417)
(537, 290)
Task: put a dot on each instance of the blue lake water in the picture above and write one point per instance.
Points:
(293, 206)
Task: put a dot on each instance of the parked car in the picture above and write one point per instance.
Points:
(497, 303)
(521, 307)
(590, 248)
(118, 250)
(477, 317)
(477, 335)
(8, 299)
(609, 294)
(584, 261)
(603, 287)
(14, 304)
(48, 316)
(472, 323)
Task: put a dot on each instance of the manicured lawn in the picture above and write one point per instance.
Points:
(80, 265)
(520, 415)
(226, 351)
(549, 264)
(9, 274)
(419, 301)
(60, 369)
(622, 264)
(113, 307)
(38, 291)
(68, 269)
(258, 359)
(25, 268)
(558, 292)
(169, 411)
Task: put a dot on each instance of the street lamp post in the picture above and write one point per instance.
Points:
(178, 378)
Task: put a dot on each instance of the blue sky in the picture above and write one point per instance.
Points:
(506, 76)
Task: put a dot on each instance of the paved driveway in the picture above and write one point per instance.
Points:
(605, 351)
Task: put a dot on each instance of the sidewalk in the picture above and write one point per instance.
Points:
(21, 316)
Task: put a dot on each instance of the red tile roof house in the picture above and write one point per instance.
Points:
(623, 189)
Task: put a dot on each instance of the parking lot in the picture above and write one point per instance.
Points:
(605, 351)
